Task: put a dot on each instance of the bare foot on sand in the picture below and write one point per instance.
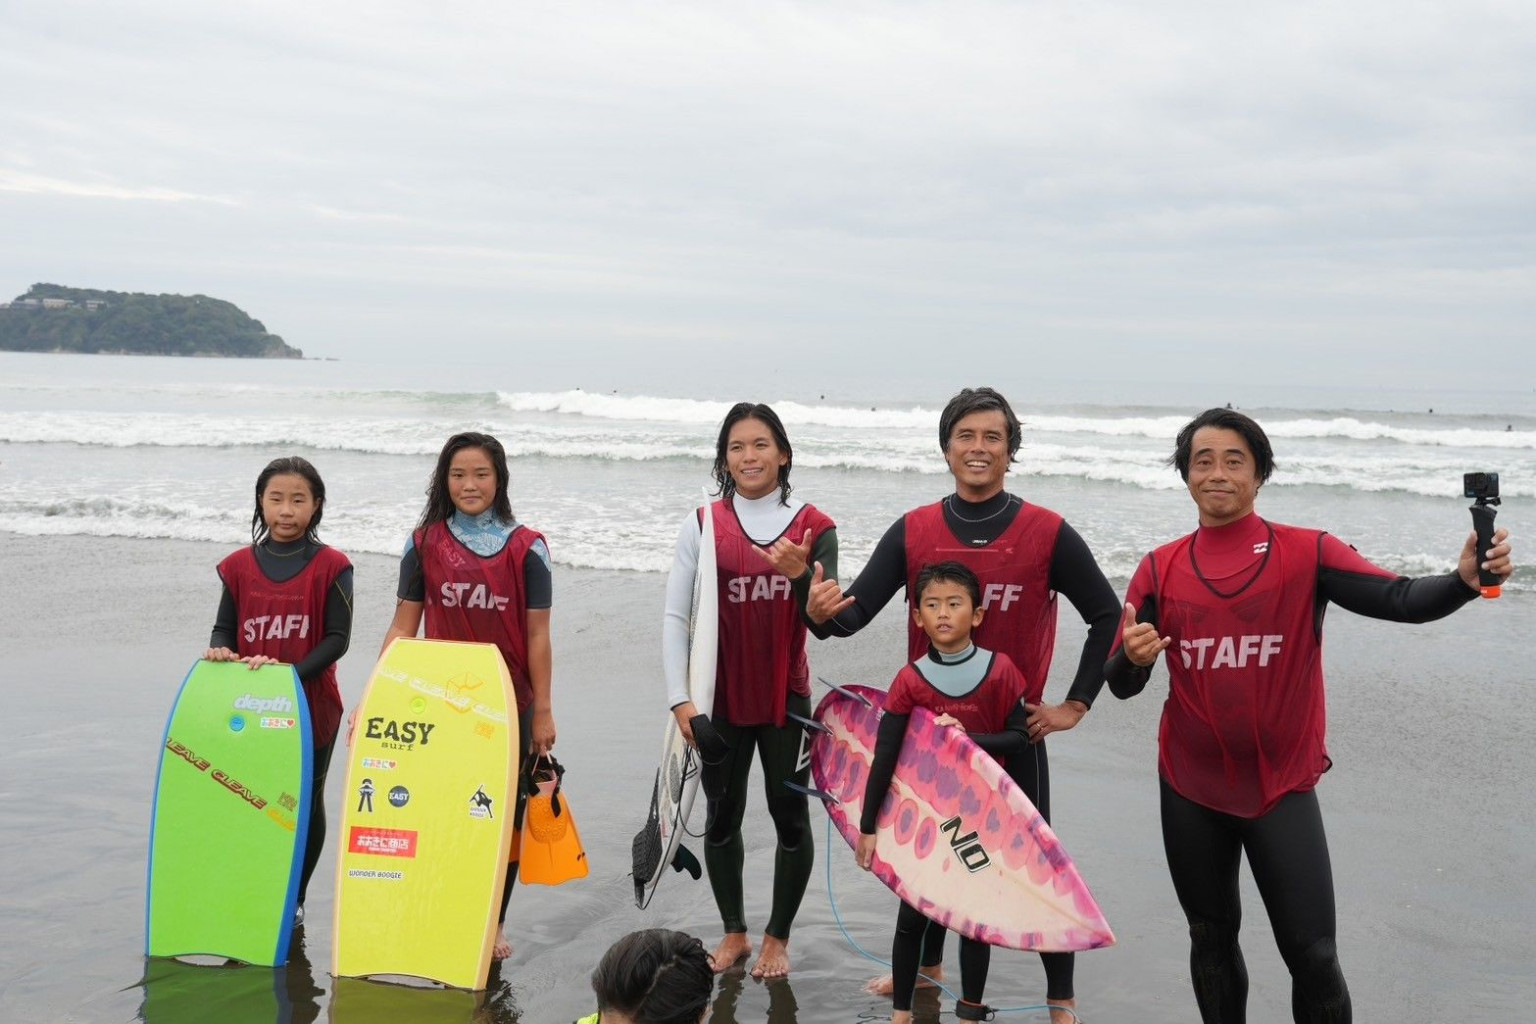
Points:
(733, 949)
(502, 949)
(884, 985)
(773, 962)
(1068, 1016)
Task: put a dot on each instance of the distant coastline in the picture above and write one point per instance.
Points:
(59, 319)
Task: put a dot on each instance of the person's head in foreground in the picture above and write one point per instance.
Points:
(655, 976)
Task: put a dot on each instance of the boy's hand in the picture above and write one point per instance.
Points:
(864, 852)
(949, 720)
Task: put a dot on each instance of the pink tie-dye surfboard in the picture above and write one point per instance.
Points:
(959, 840)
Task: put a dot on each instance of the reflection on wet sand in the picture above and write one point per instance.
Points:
(200, 990)
(782, 1008)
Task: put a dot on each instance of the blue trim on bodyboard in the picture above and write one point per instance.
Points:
(301, 817)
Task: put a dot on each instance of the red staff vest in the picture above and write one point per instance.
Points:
(762, 634)
(286, 621)
(1244, 720)
(479, 598)
(1016, 594)
(984, 709)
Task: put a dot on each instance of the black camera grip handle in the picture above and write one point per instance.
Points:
(1482, 522)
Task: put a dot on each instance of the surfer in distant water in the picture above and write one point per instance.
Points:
(655, 976)
(288, 598)
(967, 688)
(478, 574)
(762, 673)
(1024, 556)
(1240, 602)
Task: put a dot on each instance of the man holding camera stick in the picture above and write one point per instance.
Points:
(1239, 606)
(1024, 555)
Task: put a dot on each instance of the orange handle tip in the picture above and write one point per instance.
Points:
(1491, 592)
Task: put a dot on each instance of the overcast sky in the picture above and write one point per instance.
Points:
(1307, 190)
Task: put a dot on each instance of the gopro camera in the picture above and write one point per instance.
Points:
(1481, 487)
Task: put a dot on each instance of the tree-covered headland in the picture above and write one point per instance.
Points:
(53, 318)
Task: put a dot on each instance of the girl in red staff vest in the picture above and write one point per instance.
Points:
(478, 574)
(762, 672)
(288, 598)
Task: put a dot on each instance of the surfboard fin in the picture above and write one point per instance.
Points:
(845, 692)
(684, 860)
(819, 794)
(808, 723)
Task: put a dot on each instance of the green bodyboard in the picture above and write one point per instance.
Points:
(231, 815)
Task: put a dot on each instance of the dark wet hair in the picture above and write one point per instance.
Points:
(947, 572)
(282, 467)
(770, 419)
(655, 976)
(971, 400)
(1224, 419)
(439, 505)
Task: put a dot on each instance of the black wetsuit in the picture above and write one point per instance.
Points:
(1285, 843)
(282, 562)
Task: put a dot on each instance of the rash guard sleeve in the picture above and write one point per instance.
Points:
(226, 625)
(538, 580)
(884, 575)
(824, 550)
(413, 585)
(1013, 740)
(678, 609)
(1350, 581)
(1075, 573)
(882, 767)
(1126, 679)
(338, 630)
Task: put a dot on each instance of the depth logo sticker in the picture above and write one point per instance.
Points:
(251, 702)
(382, 842)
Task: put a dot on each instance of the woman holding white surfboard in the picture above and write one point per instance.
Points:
(475, 573)
(288, 598)
(762, 674)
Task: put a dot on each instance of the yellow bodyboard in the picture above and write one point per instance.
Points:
(431, 776)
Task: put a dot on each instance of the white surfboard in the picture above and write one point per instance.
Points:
(657, 843)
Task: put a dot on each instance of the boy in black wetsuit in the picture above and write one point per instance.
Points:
(967, 688)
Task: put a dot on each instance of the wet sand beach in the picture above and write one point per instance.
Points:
(1429, 812)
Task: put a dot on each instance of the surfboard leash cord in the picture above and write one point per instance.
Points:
(866, 954)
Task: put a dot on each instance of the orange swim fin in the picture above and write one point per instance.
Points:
(551, 852)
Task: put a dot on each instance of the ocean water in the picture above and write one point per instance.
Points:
(166, 448)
